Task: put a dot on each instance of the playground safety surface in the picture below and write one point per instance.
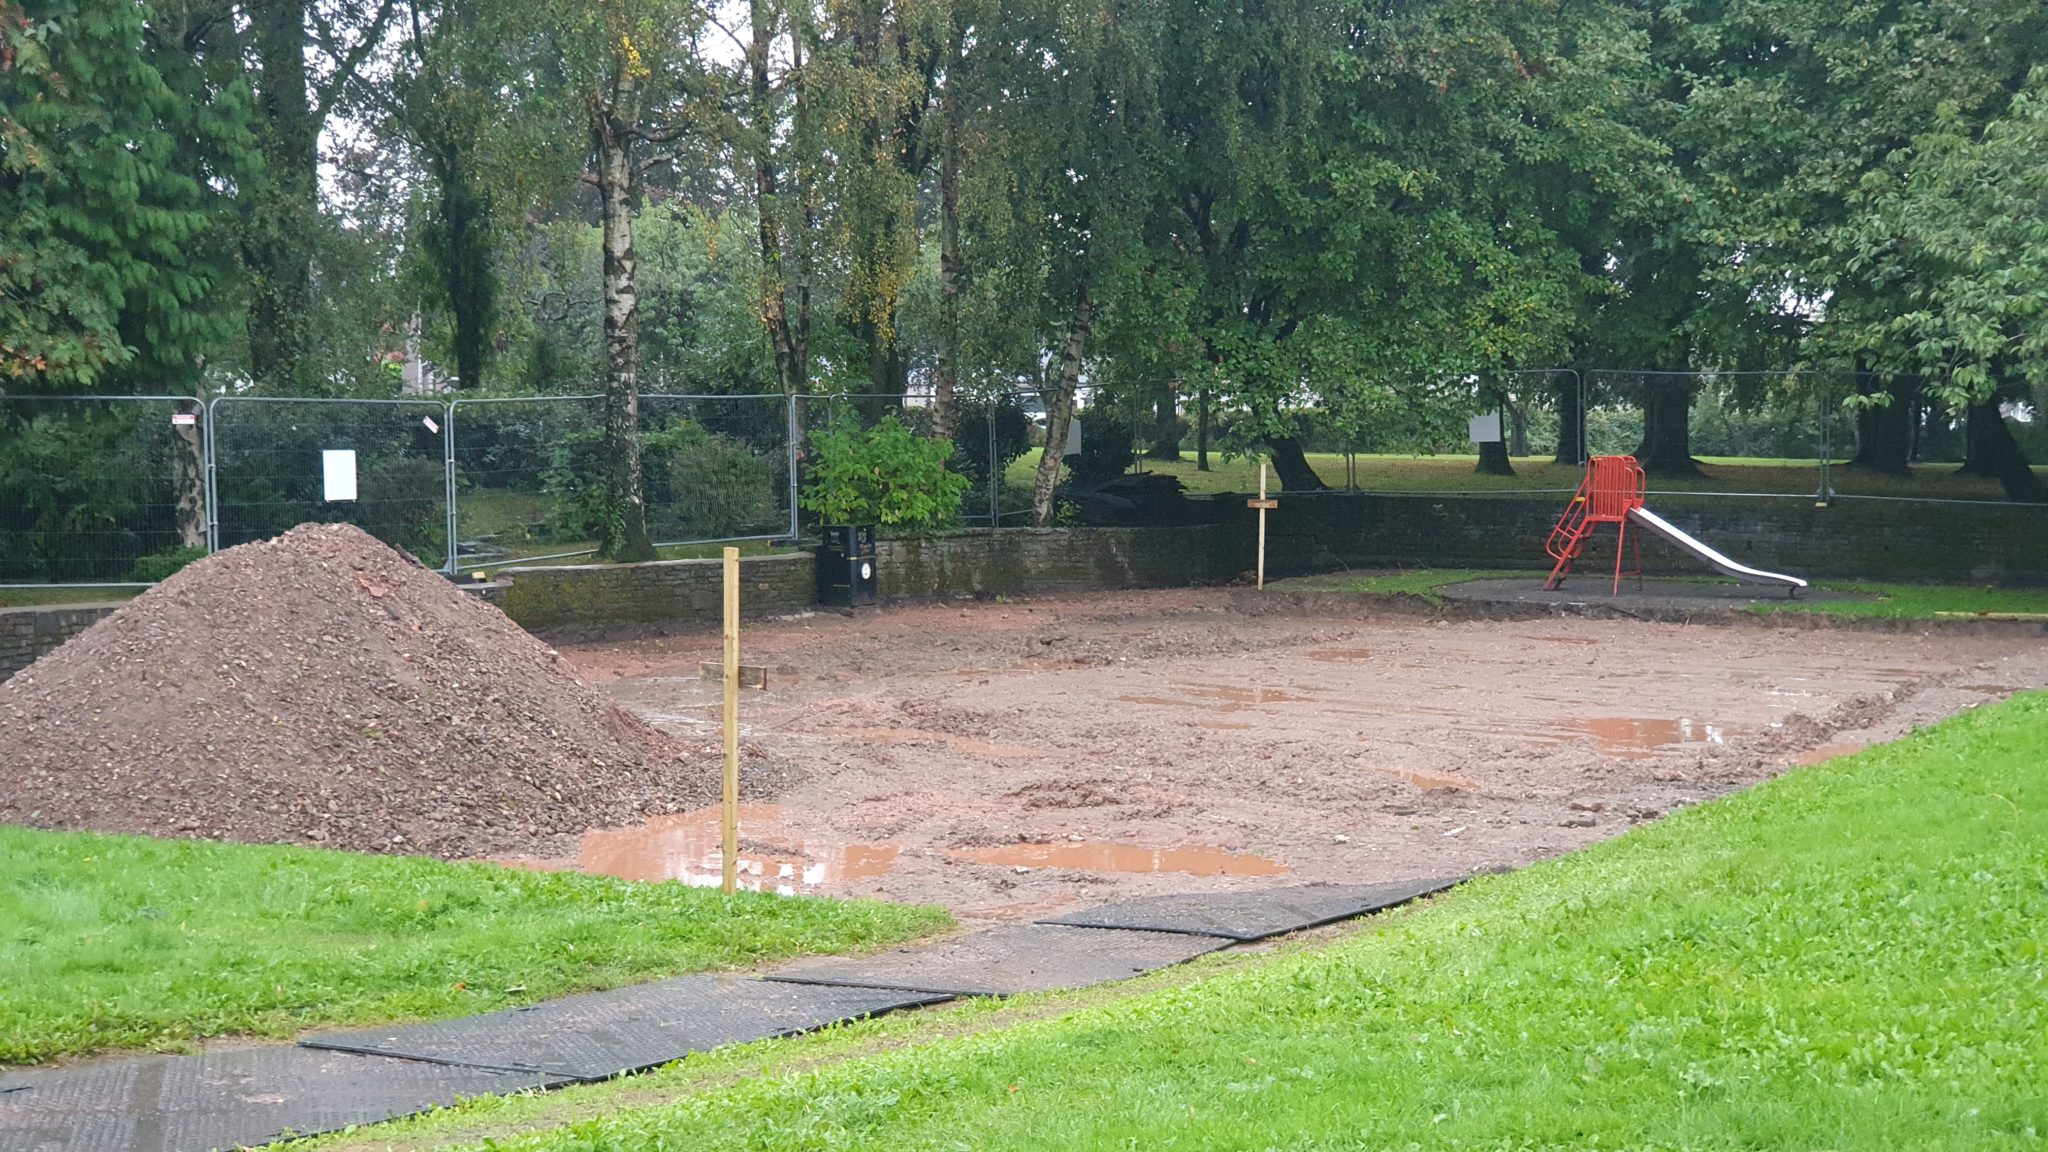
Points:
(1589, 592)
(1017, 760)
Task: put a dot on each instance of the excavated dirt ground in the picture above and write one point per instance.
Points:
(1009, 759)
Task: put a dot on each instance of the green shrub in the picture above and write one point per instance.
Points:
(722, 487)
(885, 475)
(160, 566)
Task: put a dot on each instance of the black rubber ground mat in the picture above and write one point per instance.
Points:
(1254, 914)
(1008, 960)
(603, 1034)
(226, 1099)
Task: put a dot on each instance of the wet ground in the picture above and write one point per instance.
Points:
(1011, 759)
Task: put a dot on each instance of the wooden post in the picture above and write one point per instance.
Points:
(1262, 524)
(729, 820)
(1263, 505)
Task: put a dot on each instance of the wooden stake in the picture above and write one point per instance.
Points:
(729, 820)
(1262, 524)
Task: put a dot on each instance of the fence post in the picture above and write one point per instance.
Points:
(448, 481)
(995, 469)
(793, 437)
(212, 485)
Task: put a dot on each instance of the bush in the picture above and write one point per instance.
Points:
(160, 566)
(721, 487)
(885, 475)
(1106, 450)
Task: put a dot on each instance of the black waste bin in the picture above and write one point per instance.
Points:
(846, 566)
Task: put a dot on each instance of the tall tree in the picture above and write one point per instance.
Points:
(632, 70)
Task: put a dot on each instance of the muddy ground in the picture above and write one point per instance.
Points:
(1010, 759)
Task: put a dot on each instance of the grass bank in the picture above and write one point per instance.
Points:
(1921, 602)
(131, 942)
(1848, 957)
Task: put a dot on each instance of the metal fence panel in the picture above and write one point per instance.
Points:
(269, 469)
(100, 489)
(528, 473)
(985, 429)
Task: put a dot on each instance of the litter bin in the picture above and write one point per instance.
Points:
(846, 566)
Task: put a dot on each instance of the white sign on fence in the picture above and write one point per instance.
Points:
(338, 473)
(1073, 437)
(1484, 429)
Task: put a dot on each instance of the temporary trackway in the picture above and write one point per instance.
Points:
(333, 1080)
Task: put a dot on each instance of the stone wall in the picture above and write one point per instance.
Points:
(591, 600)
(27, 633)
(1864, 539)
(1017, 561)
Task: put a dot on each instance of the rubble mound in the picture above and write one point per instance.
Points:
(323, 687)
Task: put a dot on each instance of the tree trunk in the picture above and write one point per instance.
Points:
(1202, 431)
(284, 205)
(468, 277)
(1996, 453)
(789, 368)
(1290, 463)
(1165, 440)
(1571, 423)
(1884, 432)
(624, 532)
(188, 483)
(1666, 449)
(1493, 459)
(951, 266)
(1060, 408)
(1518, 430)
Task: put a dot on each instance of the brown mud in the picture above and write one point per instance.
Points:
(1010, 759)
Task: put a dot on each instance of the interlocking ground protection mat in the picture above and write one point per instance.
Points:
(1008, 960)
(1256, 914)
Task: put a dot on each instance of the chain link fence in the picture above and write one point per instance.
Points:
(381, 465)
(103, 490)
(528, 473)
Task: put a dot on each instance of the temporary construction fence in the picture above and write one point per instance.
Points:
(526, 474)
(93, 487)
(109, 490)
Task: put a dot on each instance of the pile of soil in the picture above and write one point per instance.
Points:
(323, 687)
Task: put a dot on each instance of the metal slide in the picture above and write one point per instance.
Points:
(1713, 559)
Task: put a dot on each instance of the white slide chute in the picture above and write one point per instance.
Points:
(1710, 557)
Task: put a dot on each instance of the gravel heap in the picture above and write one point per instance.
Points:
(323, 687)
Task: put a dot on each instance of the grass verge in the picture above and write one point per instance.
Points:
(1848, 957)
(1920, 602)
(131, 942)
(1426, 584)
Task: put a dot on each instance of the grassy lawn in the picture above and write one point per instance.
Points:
(1895, 601)
(1848, 957)
(36, 597)
(130, 942)
(1921, 601)
(1455, 474)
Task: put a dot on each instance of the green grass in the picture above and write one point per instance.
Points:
(37, 597)
(130, 942)
(1377, 473)
(1849, 957)
(1424, 583)
(1919, 601)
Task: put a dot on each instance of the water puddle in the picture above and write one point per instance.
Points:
(1632, 738)
(1340, 655)
(922, 736)
(1221, 698)
(685, 847)
(1089, 856)
(1433, 782)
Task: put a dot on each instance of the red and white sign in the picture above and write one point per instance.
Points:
(429, 422)
(184, 419)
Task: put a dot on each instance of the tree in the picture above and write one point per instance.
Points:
(114, 261)
(631, 71)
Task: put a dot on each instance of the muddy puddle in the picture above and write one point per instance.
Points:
(1089, 856)
(686, 847)
(1637, 738)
